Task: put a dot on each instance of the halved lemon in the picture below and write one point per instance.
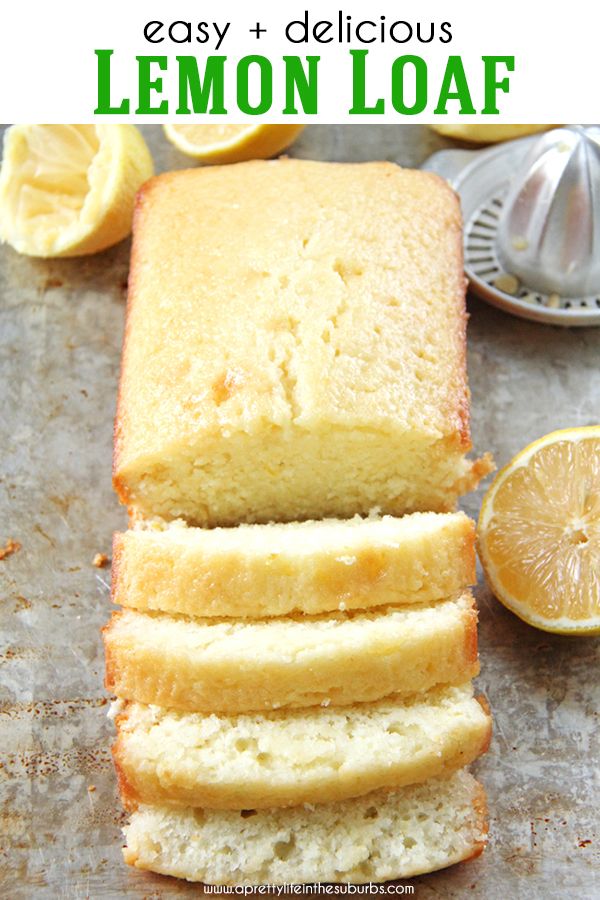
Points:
(69, 190)
(539, 532)
(216, 144)
(487, 134)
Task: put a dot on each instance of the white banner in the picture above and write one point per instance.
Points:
(360, 61)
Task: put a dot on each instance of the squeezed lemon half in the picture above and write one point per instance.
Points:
(539, 532)
(69, 190)
(216, 144)
(487, 134)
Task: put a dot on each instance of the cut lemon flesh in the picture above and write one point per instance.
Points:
(216, 144)
(539, 532)
(69, 190)
(487, 134)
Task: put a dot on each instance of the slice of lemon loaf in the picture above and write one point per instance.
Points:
(379, 837)
(295, 345)
(292, 757)
(310, 567)
(208, 665)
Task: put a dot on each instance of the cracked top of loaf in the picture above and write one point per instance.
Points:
(295, 345)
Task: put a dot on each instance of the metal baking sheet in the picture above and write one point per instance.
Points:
(60, 335)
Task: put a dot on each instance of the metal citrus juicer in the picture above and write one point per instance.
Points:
(531, 209)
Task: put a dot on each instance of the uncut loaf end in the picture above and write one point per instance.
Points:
(309, 362)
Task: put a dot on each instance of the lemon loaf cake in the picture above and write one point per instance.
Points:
(295, 345)
(208, 665)
(309, 567)
(291, 757)
(379, 837)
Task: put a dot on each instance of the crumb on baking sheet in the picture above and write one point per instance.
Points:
(100, 560)
(10, 547)
(50, 283)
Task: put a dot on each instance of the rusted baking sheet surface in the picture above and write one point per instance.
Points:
(60, 333)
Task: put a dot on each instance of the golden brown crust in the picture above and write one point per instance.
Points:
(461, 403)
(469, 553)
(464, 394)
(127, 794)
(118, 482)
(471, 654)
(481, 825)
(117, 552)
(482, 700)
(110, 667)
(463, 399)
(481, 807)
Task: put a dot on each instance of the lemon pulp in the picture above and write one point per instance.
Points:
(539, 532)
(67, 190)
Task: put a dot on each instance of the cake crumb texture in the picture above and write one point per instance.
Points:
(291, 757)
(378, 837)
